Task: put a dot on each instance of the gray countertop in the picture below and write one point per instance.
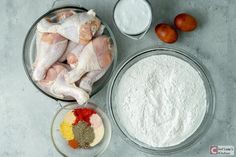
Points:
(26, 114)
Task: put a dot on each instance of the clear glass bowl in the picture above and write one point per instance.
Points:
(134, 36)
(209, 91)
(29, 52)
(61, 144)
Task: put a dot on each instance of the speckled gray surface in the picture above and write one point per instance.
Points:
(26, 114)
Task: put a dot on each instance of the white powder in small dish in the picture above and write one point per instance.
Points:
(161, 100)
(132, 16)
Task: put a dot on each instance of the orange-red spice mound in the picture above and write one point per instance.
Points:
(83, 114)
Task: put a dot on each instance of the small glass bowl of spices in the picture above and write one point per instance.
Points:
(80, 130)
(133, 18)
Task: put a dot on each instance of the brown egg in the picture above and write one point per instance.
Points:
(166, 33)
(185, 22)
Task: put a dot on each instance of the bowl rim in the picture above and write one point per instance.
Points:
(112, 36)
(208, 117)
(74, 104)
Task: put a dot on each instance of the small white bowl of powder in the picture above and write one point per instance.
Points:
(133, 17)
(161, 100)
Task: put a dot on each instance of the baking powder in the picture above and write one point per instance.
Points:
(132, 16)
(161, 100)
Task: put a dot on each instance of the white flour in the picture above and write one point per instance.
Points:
(161, 100)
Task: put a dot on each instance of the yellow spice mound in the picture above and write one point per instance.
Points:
(66, 131)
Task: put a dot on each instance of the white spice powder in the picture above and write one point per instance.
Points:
(161, 100)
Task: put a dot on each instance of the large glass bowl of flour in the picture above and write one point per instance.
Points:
(161, 100)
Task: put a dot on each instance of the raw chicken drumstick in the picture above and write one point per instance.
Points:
(79, 27)
(50, 47)
(90, 78)
(97, 55)
(55, 83)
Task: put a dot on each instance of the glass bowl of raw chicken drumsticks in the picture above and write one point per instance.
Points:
(69, 54)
